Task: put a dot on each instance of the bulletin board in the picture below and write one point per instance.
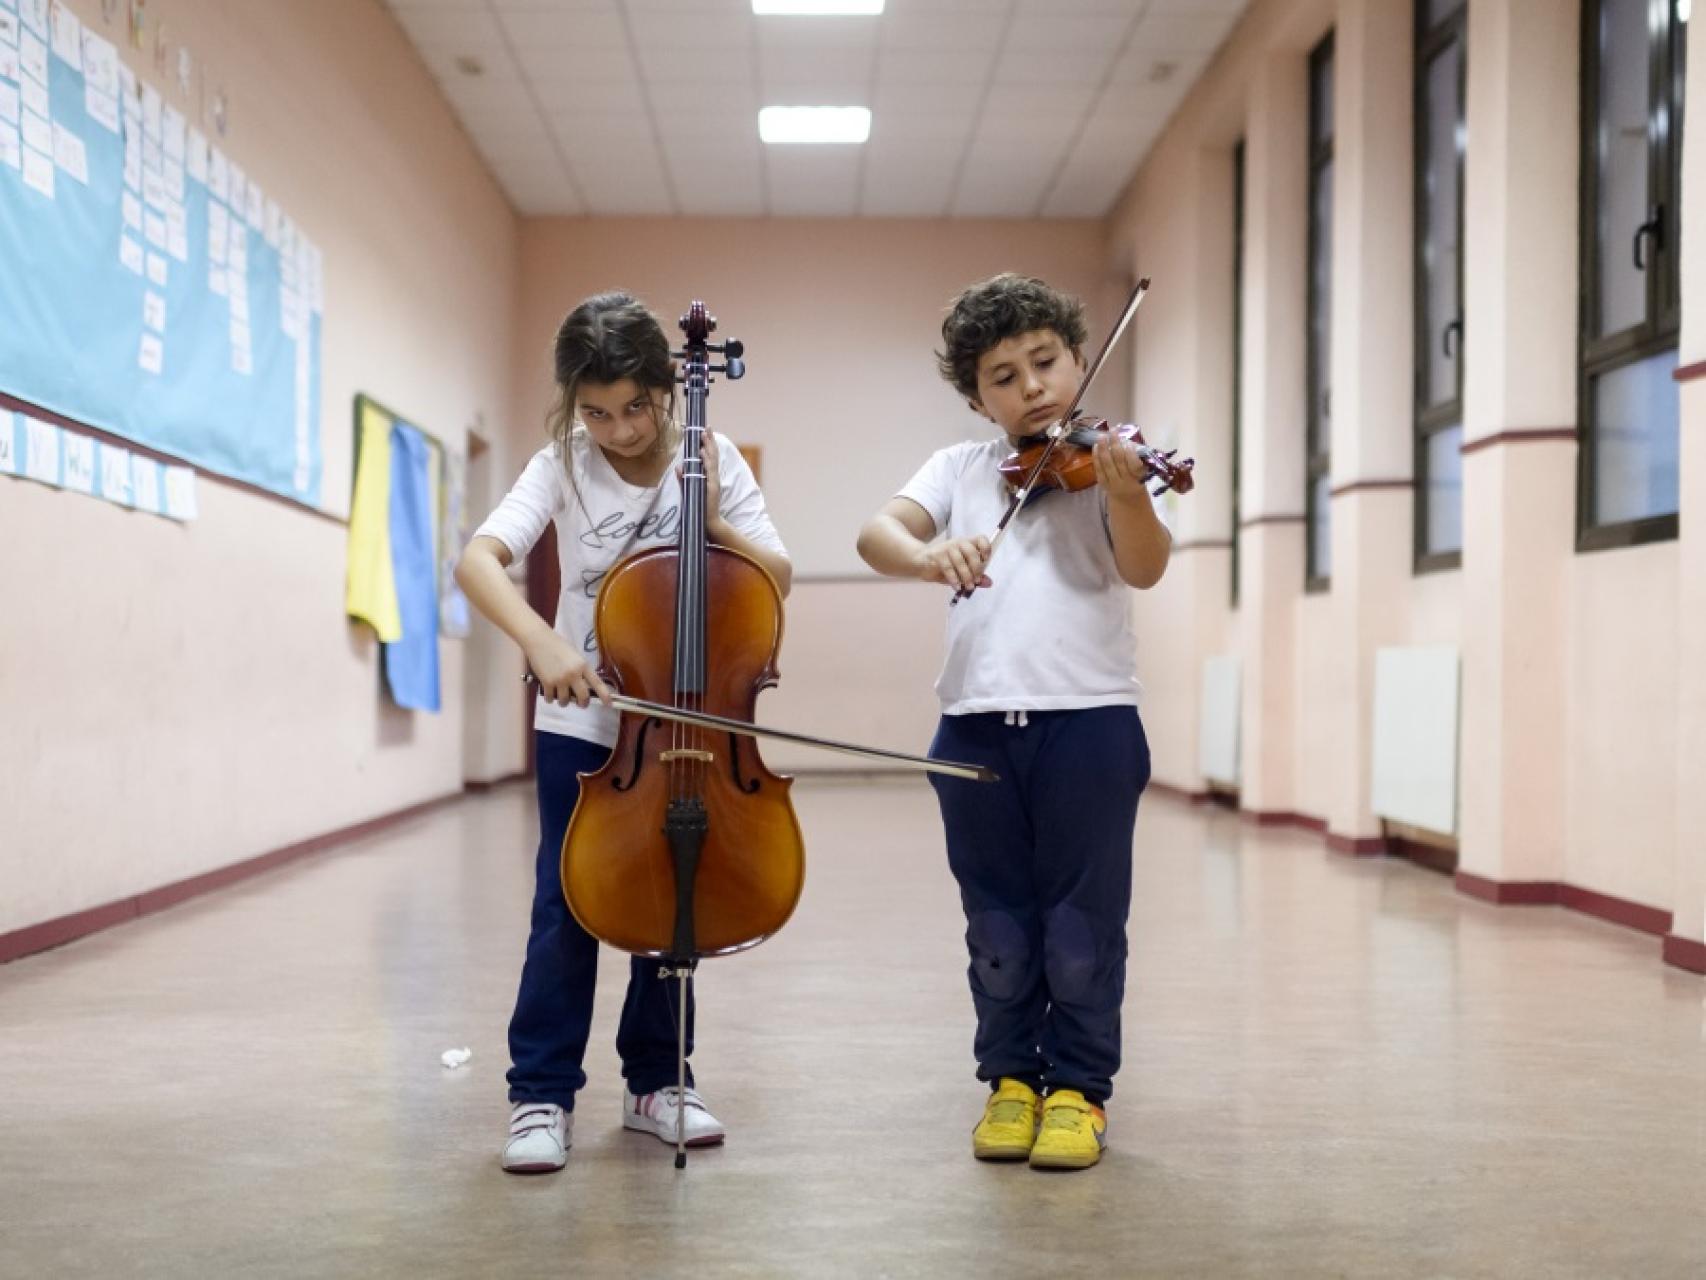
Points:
(148, 287)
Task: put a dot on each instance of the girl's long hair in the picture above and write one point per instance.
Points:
(608, 337)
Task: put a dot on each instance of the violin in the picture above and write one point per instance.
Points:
(1061, 457)
(1072, 466)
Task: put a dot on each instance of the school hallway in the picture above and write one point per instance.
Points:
(1334, 1066)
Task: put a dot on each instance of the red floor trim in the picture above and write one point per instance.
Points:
(80, 924)
(1356, 846)
(1508, 893)
(1685, 953)
(1175, 792)
(1631, 915)
(1554, 893)
(1285, 818)
(477, 785)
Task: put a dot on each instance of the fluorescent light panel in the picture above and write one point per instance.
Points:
(814, 124)
(818, 8)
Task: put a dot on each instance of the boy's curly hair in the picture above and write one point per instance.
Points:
(1002, 307)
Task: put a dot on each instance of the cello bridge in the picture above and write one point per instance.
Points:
(686, 753)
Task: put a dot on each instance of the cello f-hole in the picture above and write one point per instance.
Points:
(741, 784)
(619, 784)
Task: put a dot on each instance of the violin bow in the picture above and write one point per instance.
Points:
(1057, 431)
(662, 711)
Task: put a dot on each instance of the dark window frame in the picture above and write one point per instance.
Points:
(1237, 352)
(1660, 328)
(1317, 462)
(1433, 42)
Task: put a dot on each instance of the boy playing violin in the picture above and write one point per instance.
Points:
(1039, 685)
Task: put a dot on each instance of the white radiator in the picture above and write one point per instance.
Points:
(1415, 737)
(1217, 736)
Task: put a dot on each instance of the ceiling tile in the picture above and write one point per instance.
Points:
(1039, 102)
(1052, 67)
(812, 181)
(568, 98)
(726, 181)
(939, 133)
(1010, 86)
(662, 62)
(623, 183)
(989, 188)
(848, 34)
(1191, 32)
(926, 99)
(563, 32)
(471, 29)
(703, 31)
(1059, 33)
(674, 99)
(920, 29)
(838, 70)
(603, 137)
(947, 66)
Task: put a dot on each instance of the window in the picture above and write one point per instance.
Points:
(1633, 64)
(1318, 511)
(1237, 349)
(1440, 46)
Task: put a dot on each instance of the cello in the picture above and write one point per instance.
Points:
(684, 844)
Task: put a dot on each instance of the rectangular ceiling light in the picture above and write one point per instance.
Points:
(814, 124)
(819, 8)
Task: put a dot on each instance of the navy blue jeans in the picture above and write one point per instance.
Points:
(1043, 861)
(553, 1010)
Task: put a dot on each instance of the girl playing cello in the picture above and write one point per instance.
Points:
(608, 481)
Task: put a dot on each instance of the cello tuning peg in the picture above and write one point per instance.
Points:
(734, 348)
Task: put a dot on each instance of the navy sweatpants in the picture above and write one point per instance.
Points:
(1043, 860)
(553, 1010)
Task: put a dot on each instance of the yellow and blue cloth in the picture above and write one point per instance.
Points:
(392, 580)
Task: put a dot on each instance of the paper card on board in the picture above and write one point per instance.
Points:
(115, 473)
(41, 450)
(79, 462)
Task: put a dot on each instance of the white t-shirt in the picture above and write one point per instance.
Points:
(610, 520)
(1054, 632)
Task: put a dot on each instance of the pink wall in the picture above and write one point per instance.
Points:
(155, 731)
(179, 698)
(840, 318)
(1584, 712)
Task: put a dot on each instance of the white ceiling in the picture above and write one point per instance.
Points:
(980, 108)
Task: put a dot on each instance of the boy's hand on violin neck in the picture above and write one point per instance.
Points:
(956, 562)
(1121, 471)
(564, 676)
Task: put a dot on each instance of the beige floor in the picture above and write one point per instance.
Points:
(1333, 1067)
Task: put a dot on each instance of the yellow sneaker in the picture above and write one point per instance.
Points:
(1073, 1132)
(1009, 1124)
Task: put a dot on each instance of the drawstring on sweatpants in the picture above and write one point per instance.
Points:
(1019, 718)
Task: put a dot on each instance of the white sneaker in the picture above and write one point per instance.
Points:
(655, 1113)
(538, 1138)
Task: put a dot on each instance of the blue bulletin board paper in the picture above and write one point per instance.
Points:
(119, 305)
